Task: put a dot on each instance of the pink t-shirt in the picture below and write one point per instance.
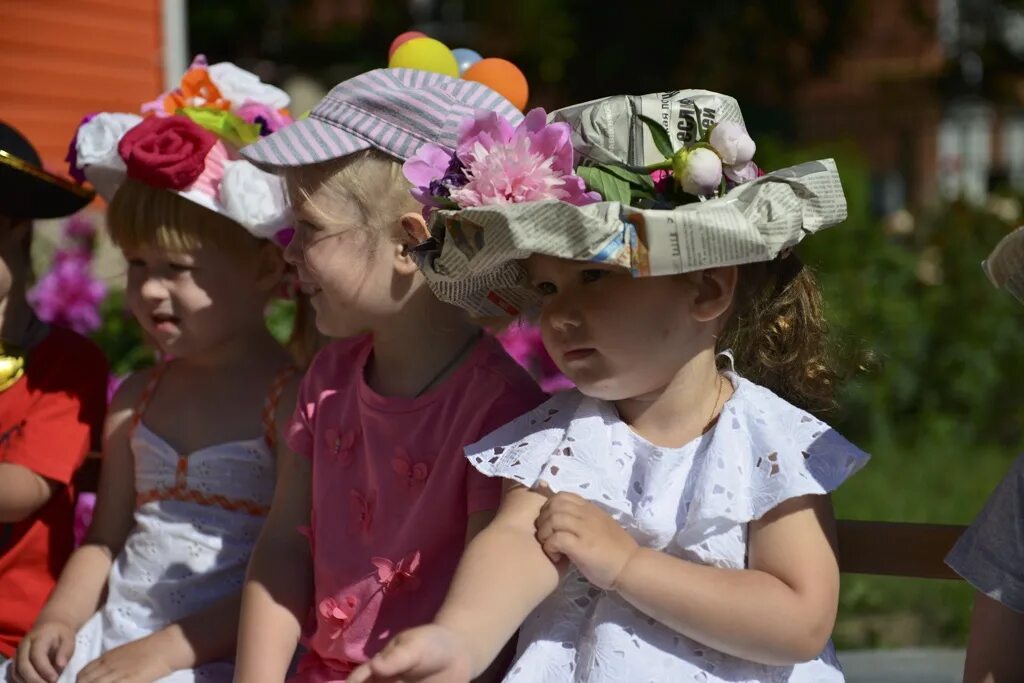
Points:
(392, 493)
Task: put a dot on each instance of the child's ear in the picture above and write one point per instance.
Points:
(715, 288)
(413, 231)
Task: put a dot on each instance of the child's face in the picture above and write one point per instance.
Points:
(346, 268)
(190, 302)
(616, 336)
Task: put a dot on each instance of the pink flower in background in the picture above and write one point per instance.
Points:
(69, 295)
(78, 227)
(523, 342)
(84, 508)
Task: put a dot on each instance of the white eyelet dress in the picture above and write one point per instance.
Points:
(693, 502)
(196, 521)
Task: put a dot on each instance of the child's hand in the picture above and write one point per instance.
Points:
(43, 653)
(431, 654)
(140, 661)
(571, 527)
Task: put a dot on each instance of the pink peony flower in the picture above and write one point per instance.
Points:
(732, 142)
(743, 173)
(496, 163)
(69, 295)
(698, 171)
(532, 162)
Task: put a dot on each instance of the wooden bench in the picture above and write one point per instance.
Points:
(906, 549)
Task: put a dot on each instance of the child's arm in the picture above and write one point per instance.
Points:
(779, 611)
(278, 590)
(993, 650)
(22, 492)
(46, 649)
(502, 576)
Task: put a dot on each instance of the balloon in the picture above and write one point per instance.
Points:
(502, 76)
(466, 58)
(404, 38)
(425, 54)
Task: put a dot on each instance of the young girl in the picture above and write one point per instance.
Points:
(379, 488)
(189, 453)
(668, 521)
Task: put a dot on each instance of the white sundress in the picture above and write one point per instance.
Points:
(693, 502)
(196, 521)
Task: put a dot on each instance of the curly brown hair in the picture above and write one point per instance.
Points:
(778, 334)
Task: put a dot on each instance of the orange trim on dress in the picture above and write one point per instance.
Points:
(181, 491)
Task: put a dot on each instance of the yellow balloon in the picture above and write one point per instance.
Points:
(425, 54)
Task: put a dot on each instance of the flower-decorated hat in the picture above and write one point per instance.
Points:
(27, 190)
(187, 141)
(662, 184)
(1005, 265)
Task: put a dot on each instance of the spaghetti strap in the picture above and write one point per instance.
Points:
(270, 405)
(147, 394)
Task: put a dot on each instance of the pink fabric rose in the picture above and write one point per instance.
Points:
(168, 153)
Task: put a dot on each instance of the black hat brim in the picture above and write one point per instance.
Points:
(27, 191)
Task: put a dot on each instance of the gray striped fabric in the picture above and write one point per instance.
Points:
(393, 110)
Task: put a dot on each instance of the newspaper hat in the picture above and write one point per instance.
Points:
(734, 214)
(186, 141)
(1005, 265)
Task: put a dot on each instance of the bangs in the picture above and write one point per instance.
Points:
(142, 215)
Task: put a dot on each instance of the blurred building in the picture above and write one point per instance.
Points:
(932, 94)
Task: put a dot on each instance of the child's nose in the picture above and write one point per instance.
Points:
(153, 289)
(561, 313)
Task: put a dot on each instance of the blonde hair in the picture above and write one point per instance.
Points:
(140, 214)
(370, 179)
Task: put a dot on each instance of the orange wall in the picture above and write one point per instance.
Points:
(62, 59)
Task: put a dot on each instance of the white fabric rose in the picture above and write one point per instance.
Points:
(96, 150)
(733, 143)
(254, 198)
(241, 86)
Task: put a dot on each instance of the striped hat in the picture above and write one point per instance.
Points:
(393, 110)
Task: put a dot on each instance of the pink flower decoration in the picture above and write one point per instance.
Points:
(270, 120)
(84, 507)
(496, 163)
(743, 173)
(662, 180)
(530, 163)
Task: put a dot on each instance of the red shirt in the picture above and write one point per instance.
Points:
(49, 420)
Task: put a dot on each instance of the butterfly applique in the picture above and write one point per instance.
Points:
(362, 506)
(397, 576)
(414, 473)
(342, 445)
(338, 614)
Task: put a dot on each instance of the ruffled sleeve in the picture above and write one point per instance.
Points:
(763, 452)
(520, 449)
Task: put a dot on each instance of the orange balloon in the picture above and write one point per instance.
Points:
(502, 76)
(403, 38)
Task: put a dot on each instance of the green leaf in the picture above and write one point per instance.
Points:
(608, 185)
(632, 177)
(661, 139)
